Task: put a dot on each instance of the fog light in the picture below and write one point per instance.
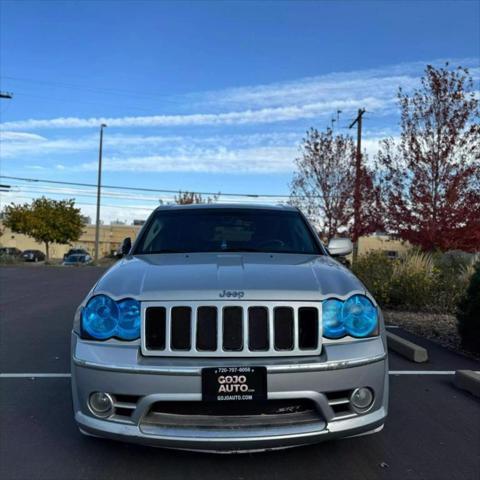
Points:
(361, 399)
(101, 404)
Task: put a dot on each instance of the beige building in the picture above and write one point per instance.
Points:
(389, 245)
(111, 237)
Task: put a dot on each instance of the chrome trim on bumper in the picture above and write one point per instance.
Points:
(287, 368)
(233, 441)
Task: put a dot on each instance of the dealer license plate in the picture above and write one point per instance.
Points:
(234, 383)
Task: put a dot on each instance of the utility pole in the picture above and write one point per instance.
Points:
(97, 224)
(357, 195)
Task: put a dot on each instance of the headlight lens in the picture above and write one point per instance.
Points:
(129, 322)
(357, 317)
(333, 326)
(103, 318)
(360, 316)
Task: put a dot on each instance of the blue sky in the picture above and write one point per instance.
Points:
(206, 96)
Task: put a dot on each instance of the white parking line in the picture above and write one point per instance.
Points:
(35, 375)
(68, 375)
(422, 372)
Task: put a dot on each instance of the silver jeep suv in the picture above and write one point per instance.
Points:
(229, 328)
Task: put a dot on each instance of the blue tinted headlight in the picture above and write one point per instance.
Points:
(129, 323)
(333, 326)
(103, 318)
(360, 316)
(357, 317)
(100, 317)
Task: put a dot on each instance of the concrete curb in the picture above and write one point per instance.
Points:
(468, 380)
(407, 349)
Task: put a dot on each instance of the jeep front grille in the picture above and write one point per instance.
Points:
(225, 329)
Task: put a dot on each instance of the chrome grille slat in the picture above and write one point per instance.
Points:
(168, 335)
(220, 351)
(193, 328)
(219, 330)
(271, 329)
(295, 328)
(339, 401)
(246, 329)
(130, 406)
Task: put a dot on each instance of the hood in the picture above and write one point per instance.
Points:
(205, 276)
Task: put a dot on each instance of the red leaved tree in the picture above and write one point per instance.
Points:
(323, 185)
(430, 178)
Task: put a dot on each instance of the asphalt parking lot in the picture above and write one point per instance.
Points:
(433, 430)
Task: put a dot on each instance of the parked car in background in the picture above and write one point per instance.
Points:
(33, 256)
(75, 251)
(78, 259)
(248, 335)
(10, 252)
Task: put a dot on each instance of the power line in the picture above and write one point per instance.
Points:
(135, 207)
(78, 101)
(157, 190)
(39, 189)
(51, 191)
(147, 203)
(101, 90)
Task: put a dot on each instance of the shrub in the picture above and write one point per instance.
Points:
(412, 282)
(416, 280)
(453, 261)
(468, 314)
(452, 273)
(375, 270)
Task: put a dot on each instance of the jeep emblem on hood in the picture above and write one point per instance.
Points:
(232, 294)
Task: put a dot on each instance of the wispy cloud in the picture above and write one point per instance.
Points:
(258, 108)
(209, 160)
(260, 116)
(313, 97)
(379, 83)
(19, 144)
(20, 137)
(259, 153)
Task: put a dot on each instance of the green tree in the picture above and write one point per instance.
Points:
(46, 221)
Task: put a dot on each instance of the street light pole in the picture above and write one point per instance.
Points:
(97, 224)
(357, 194)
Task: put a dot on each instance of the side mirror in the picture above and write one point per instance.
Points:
(339, 247)
(126, 246)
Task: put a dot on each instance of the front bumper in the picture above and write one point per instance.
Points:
(120, 369)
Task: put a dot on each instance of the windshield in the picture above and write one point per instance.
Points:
(227, 230)
(76, 258)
